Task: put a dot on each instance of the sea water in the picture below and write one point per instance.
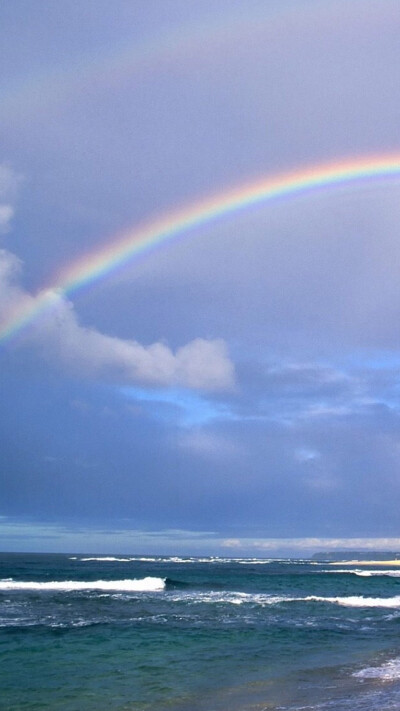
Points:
(132, 633)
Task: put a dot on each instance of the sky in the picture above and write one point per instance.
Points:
(232, 387)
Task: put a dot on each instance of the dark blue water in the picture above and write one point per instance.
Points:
(89, 633)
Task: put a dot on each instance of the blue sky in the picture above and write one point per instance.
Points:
(235, 392)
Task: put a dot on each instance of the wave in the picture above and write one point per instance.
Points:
(178, 593)
(210, 559)
(106, 559)
(148, 559)
(364, 573)
(258, 561)
(181, 560)
(263, 599)
(133, 585)
(369, 573)
(231, 598)
(357, 601)
(389, 671)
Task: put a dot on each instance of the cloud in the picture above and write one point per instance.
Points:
(209, 445)
(71, 536)
(304, 454)
(9, 181)
(310, 545)
(6, 214)
(84, 351)
(11, 296)
(125, 537)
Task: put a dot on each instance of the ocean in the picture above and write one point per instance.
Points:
(153, 633)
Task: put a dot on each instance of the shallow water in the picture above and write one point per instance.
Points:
(186, 634)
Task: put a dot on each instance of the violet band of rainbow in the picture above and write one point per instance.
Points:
(122, 249)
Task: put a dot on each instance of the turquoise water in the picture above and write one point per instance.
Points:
(82, 633)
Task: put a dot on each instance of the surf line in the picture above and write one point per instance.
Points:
(139, 241)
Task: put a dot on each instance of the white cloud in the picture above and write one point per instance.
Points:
(20, 535)
(310, 545)
(84, 351)
(11, 296)
(209, 445)
(305, 454)
(204, 363)
(6, 214)
(9, 181)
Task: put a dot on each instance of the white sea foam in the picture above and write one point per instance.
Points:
(256, 561)
(350, 571)
(263, 599)
(216, 559)
(191, 560)
(132, 585)
(389, 671)
(211, 559)
(153, 559)
(177, 559)
(358, 601)
(119, 559)
(107, 559)
(369, 573)
(364, 573)
(229, 598)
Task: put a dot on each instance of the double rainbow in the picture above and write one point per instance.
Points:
(137, 241)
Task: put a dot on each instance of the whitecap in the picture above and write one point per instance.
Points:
(389, 671)
(229, 598)
(357, 601)
(364, 573)
(369, 573)
(130, 585)
(107, 559)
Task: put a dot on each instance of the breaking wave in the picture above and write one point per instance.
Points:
(389, 671)
(262, 599)
(358, 601)
(364, 573)
(106, 559)
(369, 573)
(181, 560)
(134, 585)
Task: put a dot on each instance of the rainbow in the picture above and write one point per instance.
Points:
(176, 46)
(143, 240)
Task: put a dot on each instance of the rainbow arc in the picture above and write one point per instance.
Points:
(124, 248)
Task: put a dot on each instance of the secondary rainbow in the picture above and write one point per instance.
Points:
(124, 248)
(176, 46)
